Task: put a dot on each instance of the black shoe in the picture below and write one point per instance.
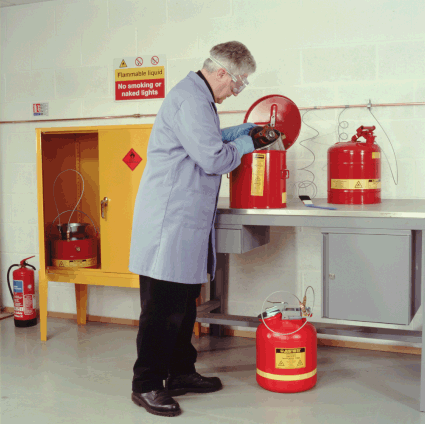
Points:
(192, 383)
(157, 402)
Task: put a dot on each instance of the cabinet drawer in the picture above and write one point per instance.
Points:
(241, 238)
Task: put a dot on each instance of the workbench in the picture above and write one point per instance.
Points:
(239, 230)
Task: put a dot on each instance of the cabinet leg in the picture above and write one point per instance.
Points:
(197, 326)
(43, 290)
(217, 290)
(81, 298)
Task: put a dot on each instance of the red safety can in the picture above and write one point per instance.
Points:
(286, 363)
(259, 182)
(354, 170)
(75, 248)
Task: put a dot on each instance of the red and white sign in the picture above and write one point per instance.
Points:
(146, 81)
(40, 109)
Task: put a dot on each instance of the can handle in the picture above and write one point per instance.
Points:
(285, 174)
(284, 291)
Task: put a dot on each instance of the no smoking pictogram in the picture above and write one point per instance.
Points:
(139, 61)
(155, 60)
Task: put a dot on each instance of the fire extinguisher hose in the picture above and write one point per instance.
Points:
(8, 282)
(302, 304)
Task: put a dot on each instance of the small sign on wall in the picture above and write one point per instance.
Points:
(40, 109)
(140, 77)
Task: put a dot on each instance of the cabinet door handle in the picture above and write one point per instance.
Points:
(103, 205)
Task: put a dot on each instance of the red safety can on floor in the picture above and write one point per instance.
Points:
(286, 363)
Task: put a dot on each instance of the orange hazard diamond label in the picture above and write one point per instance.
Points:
(132, 159)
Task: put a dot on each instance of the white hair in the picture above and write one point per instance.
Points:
(234, 56)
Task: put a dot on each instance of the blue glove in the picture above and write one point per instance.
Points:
(244, 145)
(232, 133)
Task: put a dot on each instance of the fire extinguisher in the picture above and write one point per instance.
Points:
(286, 349)
(23, 294)
(354, 170)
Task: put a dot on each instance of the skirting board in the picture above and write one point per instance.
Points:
(246, 334)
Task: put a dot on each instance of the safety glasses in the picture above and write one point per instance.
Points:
(240, 81)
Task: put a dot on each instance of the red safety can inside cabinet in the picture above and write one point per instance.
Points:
(259, 182)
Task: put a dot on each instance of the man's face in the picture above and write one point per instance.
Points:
(226, 88)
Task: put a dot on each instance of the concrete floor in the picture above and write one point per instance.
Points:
(83, 375)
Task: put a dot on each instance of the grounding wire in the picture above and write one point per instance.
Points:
(79, 200)
(305, 184)
(342, 124)
(299, 301)
(386, 157)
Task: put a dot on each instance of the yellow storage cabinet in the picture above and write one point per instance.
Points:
(107, 158)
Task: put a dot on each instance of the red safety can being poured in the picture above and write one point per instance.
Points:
(259, 182)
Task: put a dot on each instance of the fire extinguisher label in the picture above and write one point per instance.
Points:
(284, 197)
(290, 359)
(258, 171)
(18, 286)
(361, 184)
(28, 304)
(376, 155)
(18, 304)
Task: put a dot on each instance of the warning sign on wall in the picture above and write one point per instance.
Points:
(140, 77)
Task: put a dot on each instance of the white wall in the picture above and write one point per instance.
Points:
(316, 52)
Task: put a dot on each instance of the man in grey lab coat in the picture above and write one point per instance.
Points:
(173, 235)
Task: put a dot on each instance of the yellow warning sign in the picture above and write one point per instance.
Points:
(76, 263)
(140, 74)
(362, 184)
(290, 358)
(284, 197)
(376, 155)
(258, 171)
(123, 64)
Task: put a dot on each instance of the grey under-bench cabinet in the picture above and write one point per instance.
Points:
(371, 275)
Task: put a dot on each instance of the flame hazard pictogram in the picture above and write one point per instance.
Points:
(132, 159)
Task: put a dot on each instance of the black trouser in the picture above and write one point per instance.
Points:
(165, 330)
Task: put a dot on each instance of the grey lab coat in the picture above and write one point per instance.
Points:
(173, 234)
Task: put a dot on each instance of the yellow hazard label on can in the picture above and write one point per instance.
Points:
(290, 359)
(75, 263)
(258, 171)
(284, 197)
(361, 184)
(376, 155)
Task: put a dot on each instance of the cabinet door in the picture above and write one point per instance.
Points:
(368, 277)
(119, 150)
